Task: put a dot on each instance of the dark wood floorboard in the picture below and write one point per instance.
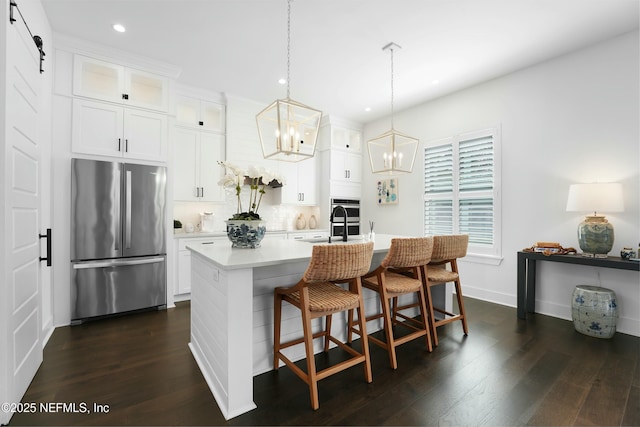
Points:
(534, 372)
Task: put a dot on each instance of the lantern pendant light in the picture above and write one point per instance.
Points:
(288, 130)
(393, 152)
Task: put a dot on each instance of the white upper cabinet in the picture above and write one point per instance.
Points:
(110, 130)
(111, 82)
(197, 172)
(346, 166)
(200, 114)
(301, 182)
(342, 160)
(346, 139)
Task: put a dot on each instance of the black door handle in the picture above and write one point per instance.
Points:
(48, 237)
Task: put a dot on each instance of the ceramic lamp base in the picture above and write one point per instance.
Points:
(595, 236)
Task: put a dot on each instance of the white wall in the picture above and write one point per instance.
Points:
(569, 120)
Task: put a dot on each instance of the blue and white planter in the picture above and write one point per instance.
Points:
(245, 233)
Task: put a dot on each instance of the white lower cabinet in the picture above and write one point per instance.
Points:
(274, 236)
(308, 235)
(183, 272)
(111, 130)
(196, 156)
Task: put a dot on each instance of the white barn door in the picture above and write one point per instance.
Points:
(20, 289)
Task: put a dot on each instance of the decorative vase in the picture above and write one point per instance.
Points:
(313, 223)
(627, 253)
(245, 233)
(301, 223)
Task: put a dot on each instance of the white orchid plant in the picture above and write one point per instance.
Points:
(258, 179)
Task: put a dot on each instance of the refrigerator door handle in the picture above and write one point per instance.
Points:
(127, 219)
(116, 263)
(117, 244)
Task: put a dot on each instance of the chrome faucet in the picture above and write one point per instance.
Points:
(344, 228)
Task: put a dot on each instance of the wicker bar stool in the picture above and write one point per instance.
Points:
(318, 295)
(446, 251)
(400, 273)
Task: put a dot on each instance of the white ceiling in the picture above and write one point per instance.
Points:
(337, 64)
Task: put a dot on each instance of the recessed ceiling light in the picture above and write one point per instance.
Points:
(367, 109)
(119, 28)
(435, 82)
(282, 81)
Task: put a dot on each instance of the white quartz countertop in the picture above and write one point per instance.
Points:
(272, 252)
(197, 234)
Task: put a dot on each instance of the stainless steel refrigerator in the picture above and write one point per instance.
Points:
(118, 247)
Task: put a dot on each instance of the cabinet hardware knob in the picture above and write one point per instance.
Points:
(201, 123)
(125, 96)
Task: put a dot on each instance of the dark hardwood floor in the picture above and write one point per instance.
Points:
(506, 372)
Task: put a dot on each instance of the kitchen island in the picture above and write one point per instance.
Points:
(232, 312)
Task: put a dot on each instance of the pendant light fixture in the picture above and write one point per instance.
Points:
(393, 152)
(288, 130)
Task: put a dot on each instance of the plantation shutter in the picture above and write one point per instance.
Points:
(438, 184)
(460, 194)
(475, 186)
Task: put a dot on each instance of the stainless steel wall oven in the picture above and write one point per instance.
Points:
(352, 207)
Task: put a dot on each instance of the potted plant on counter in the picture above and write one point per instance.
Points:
(245, 228)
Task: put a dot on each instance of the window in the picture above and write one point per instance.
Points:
(462, 189)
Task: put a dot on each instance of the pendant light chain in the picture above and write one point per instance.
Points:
(391, 88)
(392, 152)
(288, 46)
(288, 129)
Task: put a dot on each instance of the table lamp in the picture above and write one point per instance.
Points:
(595, 233)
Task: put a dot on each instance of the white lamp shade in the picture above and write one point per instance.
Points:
(288, 130)
(392, 153)
(596, 197)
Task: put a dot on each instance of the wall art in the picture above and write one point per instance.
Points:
(388, 191)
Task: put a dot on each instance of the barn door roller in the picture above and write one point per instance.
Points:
(36, 39)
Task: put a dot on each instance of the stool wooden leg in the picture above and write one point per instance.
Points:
(277, 317)
(394, 310)
(425, 318)
(432, 318)
(312, 380)
(327, 332)
(463, 313)
(388, 330)
(350, 326)
(364, 341)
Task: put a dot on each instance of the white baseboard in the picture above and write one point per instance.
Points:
(561, 311)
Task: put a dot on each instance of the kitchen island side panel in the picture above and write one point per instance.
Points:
(221, 316)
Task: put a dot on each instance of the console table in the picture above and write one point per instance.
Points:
(527, 273)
